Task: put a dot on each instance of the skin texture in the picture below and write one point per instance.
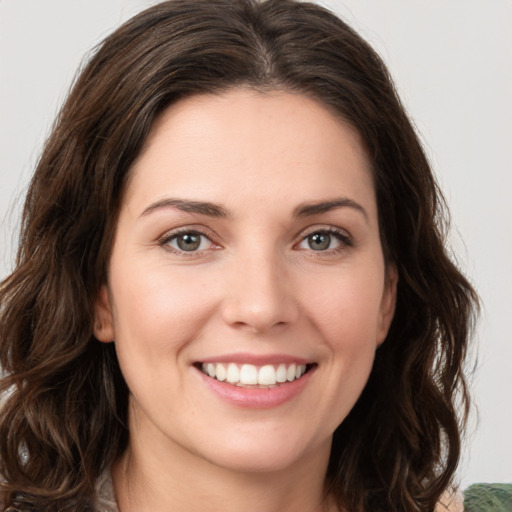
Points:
(254, 287)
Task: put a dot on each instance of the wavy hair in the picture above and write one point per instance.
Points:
(64, 407)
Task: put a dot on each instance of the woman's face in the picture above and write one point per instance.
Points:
(247, 290)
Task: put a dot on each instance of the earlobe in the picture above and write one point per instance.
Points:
(387, 309)
(103, 321)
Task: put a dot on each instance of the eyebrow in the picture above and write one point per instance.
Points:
(201, 207)
(216, 210)
(309, 209)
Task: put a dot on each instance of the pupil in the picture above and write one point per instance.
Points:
(189, 242)
(320, 241)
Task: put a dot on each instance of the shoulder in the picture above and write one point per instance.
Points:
(451, 501)
(478, 498)
(488, 497)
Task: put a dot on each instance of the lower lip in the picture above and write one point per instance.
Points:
(257, 398)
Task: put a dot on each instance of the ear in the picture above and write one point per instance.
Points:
(103, 319)
(387, 306)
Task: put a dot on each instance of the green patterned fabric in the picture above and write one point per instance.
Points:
(488, 498)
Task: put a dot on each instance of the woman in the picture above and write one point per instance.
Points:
(232, 289)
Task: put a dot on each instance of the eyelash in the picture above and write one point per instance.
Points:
(169, 237)
(345, 240)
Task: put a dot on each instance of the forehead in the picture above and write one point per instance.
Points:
(250, 144)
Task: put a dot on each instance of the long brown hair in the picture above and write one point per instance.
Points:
(64, 405)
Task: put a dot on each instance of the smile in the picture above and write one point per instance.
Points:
(246, 375)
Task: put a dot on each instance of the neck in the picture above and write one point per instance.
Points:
(149, 477)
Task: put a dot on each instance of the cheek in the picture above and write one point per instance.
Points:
(346, 318)
(156, 316)
(159, 310)
(345, 306)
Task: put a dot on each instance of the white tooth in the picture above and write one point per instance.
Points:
(290, 373)
(248, 374)
(267, 375)
(210, 367)
(281, 373)
(233, 373)
(301, 370)
(220, 372)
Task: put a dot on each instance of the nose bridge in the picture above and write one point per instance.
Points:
(259, 293)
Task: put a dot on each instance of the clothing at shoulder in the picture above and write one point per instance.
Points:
(477, 498)
(488, 498)
(105, 497)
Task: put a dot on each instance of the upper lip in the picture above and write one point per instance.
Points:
(255, 359)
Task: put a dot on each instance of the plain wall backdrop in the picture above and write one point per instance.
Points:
(452, 63)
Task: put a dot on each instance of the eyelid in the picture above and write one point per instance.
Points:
(345, 238)
(329, 228)
(164, 240)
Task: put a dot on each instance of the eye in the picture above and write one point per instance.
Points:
(188, 241)
(324, 240)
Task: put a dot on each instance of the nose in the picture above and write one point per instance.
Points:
(259, 294)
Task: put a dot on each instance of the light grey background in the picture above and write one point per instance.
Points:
(452, 62)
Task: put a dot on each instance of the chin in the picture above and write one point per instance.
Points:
(265, 455)
(248, 462)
